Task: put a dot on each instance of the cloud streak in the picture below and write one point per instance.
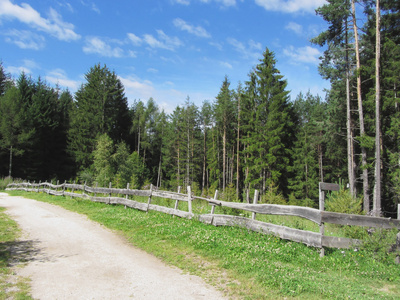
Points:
(306, 54)
(53, 25)
(291, 6)
(195, 30)
(95, 45)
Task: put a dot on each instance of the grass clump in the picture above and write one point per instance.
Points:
(245, 264)
(11, 287)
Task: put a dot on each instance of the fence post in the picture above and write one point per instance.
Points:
(127, 188)
(177, 201)
(255, 201)
(48, 190)
(398, 211)
(64, 187)
(72, 190)
(321, 208)
(38, 187)
(149, 200)
(213, 205)
(84, 187)
(95, 189)
(109, 195)
(189, 190)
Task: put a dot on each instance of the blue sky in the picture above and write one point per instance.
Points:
(166, 49)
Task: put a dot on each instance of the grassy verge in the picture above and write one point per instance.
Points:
(245, 264)
(11, 287)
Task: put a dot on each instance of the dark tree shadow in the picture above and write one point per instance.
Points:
(16, 252)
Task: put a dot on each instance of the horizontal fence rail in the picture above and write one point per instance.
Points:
(315, 239)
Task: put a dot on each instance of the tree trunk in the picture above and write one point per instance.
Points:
(360, 113)
(224, 158)
(204, 157)
(10, 167)
(237, 152)
(377, 191)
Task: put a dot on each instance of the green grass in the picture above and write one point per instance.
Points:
(11, 286)
(246, 264)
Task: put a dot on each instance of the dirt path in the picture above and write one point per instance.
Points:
(75, 258)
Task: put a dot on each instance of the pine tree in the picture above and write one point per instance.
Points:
(224, 116)
(309, 142)
(13, 132)
(100, 107)
(206, 117)
(337, 61)
(269, 126)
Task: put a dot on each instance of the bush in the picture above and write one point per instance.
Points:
(7, 180)
(272, 196)
(381, 243)
(343, 202)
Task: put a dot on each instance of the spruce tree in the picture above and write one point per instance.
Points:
(224, 116)
(269, 126)
(100, 107)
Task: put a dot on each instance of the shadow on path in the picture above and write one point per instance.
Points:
(18, 252)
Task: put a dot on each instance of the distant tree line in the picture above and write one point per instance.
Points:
(250, 137)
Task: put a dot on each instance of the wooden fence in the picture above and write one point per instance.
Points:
(318, 216)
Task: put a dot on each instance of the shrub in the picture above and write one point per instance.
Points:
(272, 196)
(343, 202)
(7, 180)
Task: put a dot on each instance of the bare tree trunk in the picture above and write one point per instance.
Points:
(188, 157)
(178, 177)
(10, 167)
(377, 191)
(360, 113)
(224, 158)
(350, 140)
(204, 157)
(320, 163)
(237, 152)
(138, 146)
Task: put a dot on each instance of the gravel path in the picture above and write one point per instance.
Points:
(72, 257)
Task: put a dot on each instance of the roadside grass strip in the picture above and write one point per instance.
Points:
(242, 263)
(11, 286)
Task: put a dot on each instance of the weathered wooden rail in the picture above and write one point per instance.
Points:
(318, 216)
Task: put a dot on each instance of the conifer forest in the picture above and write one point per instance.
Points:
(251, 136)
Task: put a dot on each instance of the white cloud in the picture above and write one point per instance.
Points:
(163, 41)
(54, 25)
(26, 67)
(225, 65)
(296, 28)
(196, 30)
(25, 39)
(95, 8)
(250, 51)
(303, 54)
(58, 76)
(184, 2)
(216, 45)
(67, 5)
(225, 3)
(137, 89)
(137, 41)
(91, 5)
(95, 45)
(291, 6)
